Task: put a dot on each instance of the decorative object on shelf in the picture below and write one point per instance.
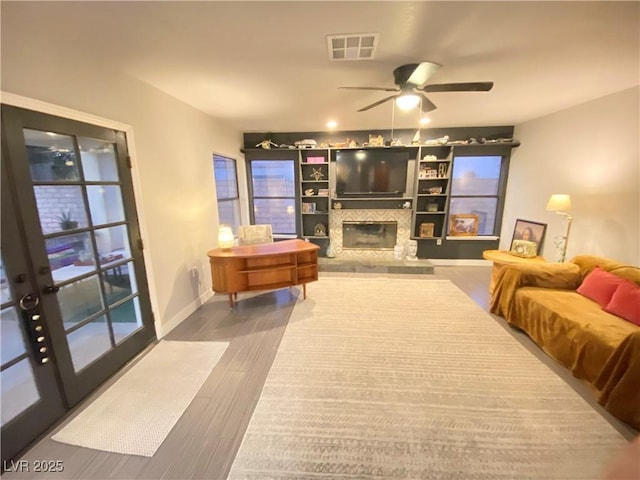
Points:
(317, 174)
(309, 192)
(331, 250)
(412, 250)
(432, 207)
(524, 248)
(431, 173)
(430, 158)
(306, 143)
(529, 232)
(438, 141)
(416, 138)
(398, 251)
(337, 205)
(267, 144)
(463, 224)
(376, 141)
(320, 230)
(225, 237)
(406, 205)
(434, 190)
(561, 204)
(323, 192)
(442, 170)
(426, 230)
(352, 143)
(422, 172)
(316, 160)
(308, 207)
(396, 142)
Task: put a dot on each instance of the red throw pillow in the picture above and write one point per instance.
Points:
(599, 286)
(625, 302)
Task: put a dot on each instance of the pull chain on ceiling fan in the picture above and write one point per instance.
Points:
(409, 92)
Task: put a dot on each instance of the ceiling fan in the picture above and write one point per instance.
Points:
(409, 80)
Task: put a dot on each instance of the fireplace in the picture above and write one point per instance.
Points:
(379, 235)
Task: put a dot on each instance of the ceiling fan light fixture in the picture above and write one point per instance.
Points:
(407, 101)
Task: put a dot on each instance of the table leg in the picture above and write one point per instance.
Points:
(231, 300)
(304, 291)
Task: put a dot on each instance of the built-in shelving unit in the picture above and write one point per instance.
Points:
(433, 171)
(314, 196)
(429, 190)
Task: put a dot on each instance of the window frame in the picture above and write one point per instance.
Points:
(236, 199)
(499, 195)
(252, 155)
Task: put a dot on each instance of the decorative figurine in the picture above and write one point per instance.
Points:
(317, 174)
(267, 144)
(319, 230)
(412, 250)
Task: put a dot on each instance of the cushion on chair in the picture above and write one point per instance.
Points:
(255, 234)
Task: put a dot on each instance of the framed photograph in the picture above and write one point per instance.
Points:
(463, 224)
(426, 230)
(530, 232)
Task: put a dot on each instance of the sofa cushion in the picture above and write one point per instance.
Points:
(599, 286)
(625, 302)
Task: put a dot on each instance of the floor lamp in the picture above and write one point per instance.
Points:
(561, 204)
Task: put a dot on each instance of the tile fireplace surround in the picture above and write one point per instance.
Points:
(403, 217)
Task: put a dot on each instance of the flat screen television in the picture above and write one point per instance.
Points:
(378, 173)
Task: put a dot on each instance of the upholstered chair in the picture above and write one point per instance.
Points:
(255, 234)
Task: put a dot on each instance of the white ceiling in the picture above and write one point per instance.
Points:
(264, 66)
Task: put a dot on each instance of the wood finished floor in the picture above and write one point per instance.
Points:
(205, 440)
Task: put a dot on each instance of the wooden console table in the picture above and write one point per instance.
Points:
(266, 266)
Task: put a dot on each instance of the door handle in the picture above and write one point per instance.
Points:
(51, 289)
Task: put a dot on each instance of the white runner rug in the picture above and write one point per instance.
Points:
(138, 411)
(409, 378)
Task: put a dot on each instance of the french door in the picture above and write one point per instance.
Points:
(75, 304)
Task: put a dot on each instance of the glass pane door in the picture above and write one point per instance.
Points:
(80, 210)
(73, 196)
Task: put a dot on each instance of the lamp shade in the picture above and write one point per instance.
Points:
(407, 101)
(225, 237)
(559, 202)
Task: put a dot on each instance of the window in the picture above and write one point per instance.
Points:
(224, 171)
(273, 187)
(474, 189)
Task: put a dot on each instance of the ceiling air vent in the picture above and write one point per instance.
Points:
(357, 46)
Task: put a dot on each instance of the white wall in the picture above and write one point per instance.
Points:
(173, 162)
(592, 152)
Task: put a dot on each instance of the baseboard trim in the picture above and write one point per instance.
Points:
(163, 329)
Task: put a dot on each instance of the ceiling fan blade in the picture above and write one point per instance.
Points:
(379, 102)
(459, 87)
(427, 105)
(423, 72)
(381, 89)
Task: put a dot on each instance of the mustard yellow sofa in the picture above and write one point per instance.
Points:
(596, 346)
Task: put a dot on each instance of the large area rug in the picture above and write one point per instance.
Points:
(138, 411)
(409, 378)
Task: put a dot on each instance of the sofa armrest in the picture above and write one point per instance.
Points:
(564, 276)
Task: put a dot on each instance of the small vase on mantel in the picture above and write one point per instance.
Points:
(398, 252)
(331, 251)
